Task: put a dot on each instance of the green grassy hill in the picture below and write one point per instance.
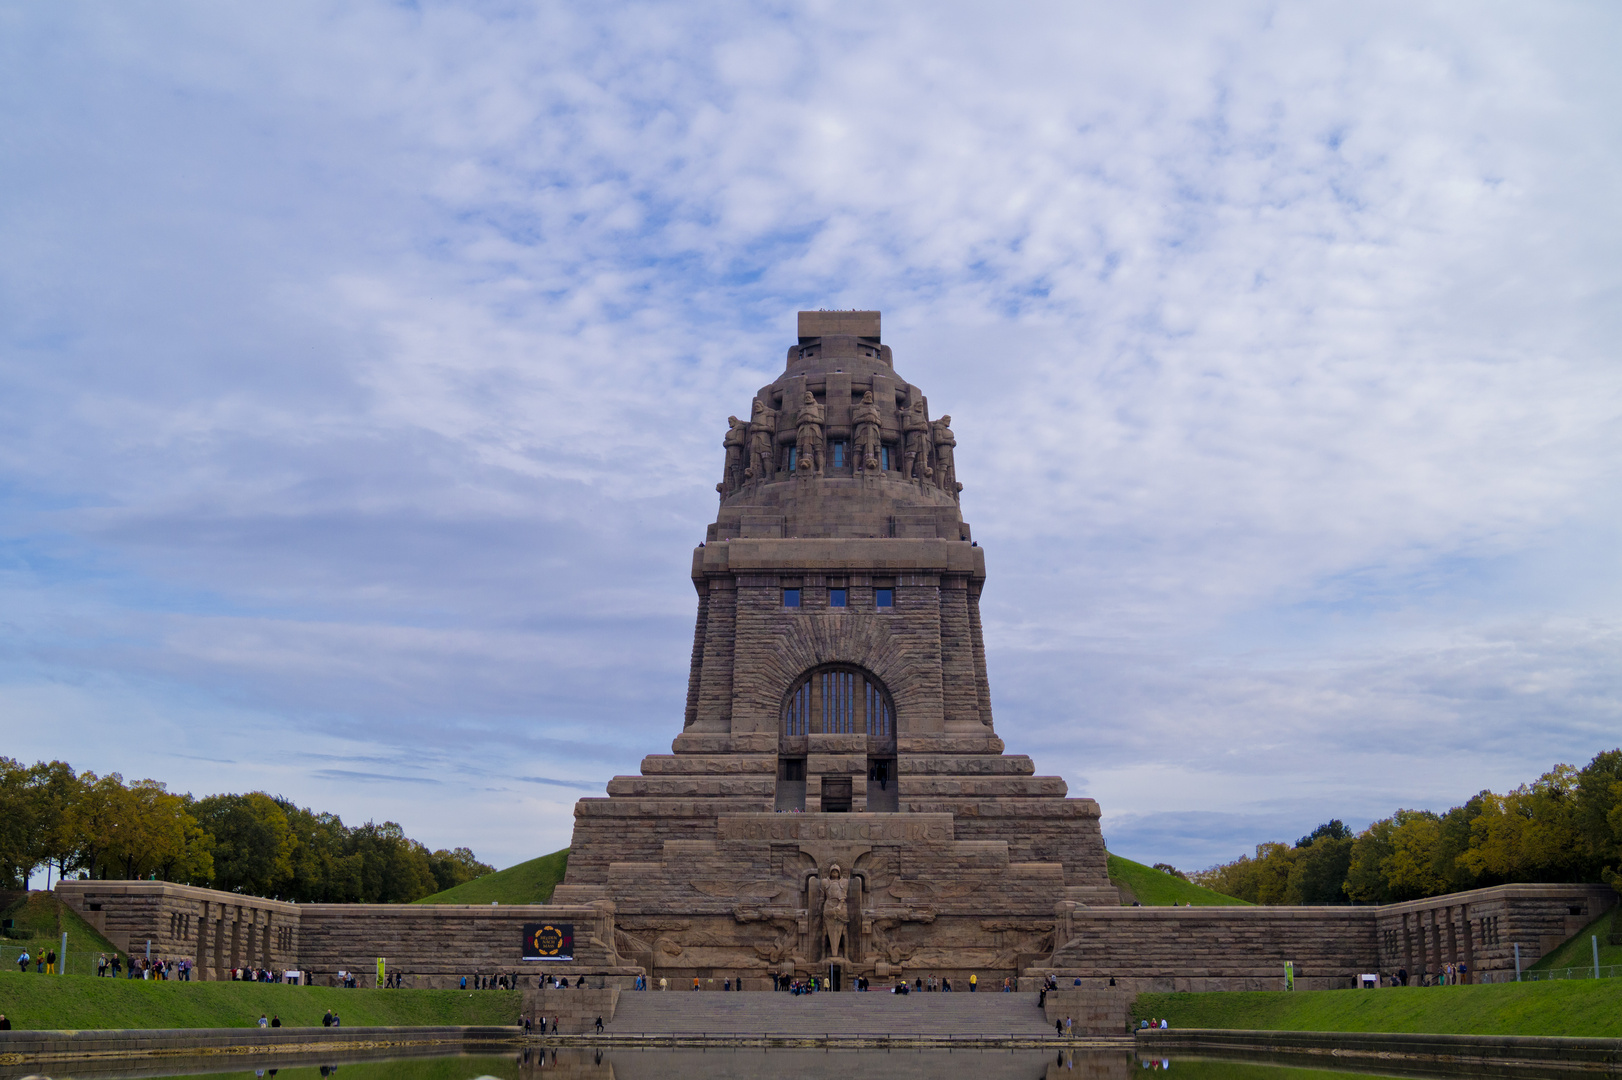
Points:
(1156, 888)
(1591, 1007)
(1578, 951)
(39, 919)
(39, 1001)
(527, 883)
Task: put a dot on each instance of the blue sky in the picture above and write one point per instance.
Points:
(363, 369)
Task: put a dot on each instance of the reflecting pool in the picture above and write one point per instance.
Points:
(745, 1064)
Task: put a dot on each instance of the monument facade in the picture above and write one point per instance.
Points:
(837, 801)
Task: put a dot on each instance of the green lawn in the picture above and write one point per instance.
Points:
(527, 883)
(1156, 888)
(1590, 1007)
(79, 1002)
(43, 917)
(1578, 951)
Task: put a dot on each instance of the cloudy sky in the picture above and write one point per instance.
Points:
(363, 369)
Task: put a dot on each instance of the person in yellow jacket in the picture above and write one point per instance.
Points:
(974, 982)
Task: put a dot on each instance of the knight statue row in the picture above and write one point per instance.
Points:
(751, 447)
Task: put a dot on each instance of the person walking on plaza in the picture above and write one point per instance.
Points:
(599, 1025)
(974, 983)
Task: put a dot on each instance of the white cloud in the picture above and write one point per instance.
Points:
(370, 362)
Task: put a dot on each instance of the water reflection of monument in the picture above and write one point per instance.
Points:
(751, 1064)
(837, 802)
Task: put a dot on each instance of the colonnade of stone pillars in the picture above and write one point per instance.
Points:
(233, 936)
(1433, 953)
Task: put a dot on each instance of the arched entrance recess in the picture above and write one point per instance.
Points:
(837, 699)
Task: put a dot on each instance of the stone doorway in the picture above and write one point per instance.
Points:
(836, 794)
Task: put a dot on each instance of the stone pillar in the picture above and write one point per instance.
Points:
(1452, 937)
(1469, 945)
(696, 663)
(1407, 945)
(221, 960)
(714, 712)
(236, 939)
(960, 697)
(200, 960)
(982, 682)
(1434, 953)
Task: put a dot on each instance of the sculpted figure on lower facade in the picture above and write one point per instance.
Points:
(835, 911)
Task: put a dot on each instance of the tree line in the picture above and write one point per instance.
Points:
(101, 827)
(1564, 826)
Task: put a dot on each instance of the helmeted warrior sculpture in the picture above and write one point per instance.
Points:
(865, 418)
(762, 443)
(736, 442)
(808, 430)
(915, 426)
(940, 433)
(835, 910)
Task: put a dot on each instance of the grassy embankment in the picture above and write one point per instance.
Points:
(1578, 951)
(1156, 888)
(39, 920)
(1590, 1007)
(73, 1001)
(529, 882)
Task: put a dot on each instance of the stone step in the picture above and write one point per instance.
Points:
(760, 1012)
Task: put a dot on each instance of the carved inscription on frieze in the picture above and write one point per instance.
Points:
(837, 828)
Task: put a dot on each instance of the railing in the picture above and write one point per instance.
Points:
(1587, 971)
(78, 961)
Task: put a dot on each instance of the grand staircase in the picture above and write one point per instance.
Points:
(850, 1013)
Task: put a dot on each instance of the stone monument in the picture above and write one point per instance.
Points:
(837, 802)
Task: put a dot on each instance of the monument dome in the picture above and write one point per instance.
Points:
(839, 446)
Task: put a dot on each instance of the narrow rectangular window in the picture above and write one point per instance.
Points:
(791, 597)
(884, 597)
(839, 455)
(793, 455)
(836, 597)
(884, 456)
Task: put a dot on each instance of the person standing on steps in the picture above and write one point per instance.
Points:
(1058, 1027)
(599, 1025)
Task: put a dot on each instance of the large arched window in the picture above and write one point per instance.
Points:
(839, 699)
